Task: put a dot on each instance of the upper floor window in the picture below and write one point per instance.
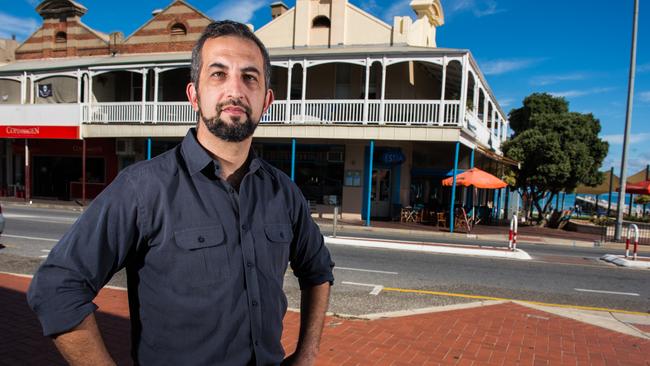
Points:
(321, 21)
(178, 29)
(61, 37)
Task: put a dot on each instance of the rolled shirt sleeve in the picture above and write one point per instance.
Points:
(86, 257)
(309, 258)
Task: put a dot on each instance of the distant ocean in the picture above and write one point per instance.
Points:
(570, 199)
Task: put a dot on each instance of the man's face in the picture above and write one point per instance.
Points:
(232, 95)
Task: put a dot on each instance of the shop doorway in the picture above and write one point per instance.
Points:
(56, 176)
(381, 193)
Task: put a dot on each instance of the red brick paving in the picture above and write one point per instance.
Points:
(505, 334)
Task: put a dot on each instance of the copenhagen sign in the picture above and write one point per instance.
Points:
(40, 132)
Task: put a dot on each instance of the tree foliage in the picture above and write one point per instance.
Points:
(558, 149)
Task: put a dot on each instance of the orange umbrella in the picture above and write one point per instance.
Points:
(477, 178)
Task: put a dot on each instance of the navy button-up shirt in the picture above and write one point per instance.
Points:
(205, 262)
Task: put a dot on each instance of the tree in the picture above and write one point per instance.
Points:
(558, 149)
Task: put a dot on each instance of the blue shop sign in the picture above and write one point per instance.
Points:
(392, 157)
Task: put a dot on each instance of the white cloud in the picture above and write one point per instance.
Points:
(370, 6)
(33, 2)
(506, 102)
(580, 93)
(644, 96)
(21, 27)
(643, 67)
(398, 8)
(479, 8)
(552, 79)
(497, 67)
(632, 139)
(242, 11)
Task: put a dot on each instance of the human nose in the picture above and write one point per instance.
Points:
(235, 88)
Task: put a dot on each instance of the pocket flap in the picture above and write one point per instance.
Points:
(279, 233)
(201, 237)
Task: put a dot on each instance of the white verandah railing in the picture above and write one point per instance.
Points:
(325, 111)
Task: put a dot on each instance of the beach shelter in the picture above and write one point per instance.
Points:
(477, 178)
(602, 188)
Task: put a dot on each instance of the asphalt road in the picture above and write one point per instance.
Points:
(372, 280)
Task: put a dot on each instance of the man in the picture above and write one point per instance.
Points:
(205, 232)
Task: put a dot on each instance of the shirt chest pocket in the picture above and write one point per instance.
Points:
(203, 255)
(277, 239)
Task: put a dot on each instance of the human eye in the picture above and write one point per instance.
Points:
(250, 78)
(218, 74)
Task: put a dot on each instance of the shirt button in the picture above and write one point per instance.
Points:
(201, 239)
(254, 303)
(257, 343)
(244, 227)
(231, 190)
(249, 264)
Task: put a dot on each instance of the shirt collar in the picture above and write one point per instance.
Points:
(197, 158)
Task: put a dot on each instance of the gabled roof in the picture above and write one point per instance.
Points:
(163, 12)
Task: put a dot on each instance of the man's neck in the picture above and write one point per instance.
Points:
(231, 155)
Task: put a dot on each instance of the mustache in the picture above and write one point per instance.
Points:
(233, 103)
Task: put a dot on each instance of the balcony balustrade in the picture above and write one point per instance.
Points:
(327, 111)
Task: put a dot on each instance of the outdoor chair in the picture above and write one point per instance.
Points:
(441, 220)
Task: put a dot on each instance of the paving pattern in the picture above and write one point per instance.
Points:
(502, 334)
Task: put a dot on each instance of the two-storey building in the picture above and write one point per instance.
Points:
(368, 115)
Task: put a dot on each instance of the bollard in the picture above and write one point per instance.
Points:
(336, 218)
(512, 234)
(636, 240)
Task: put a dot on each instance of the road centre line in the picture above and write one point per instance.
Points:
(29, 238)
(607, 292)
(56, 219)
(480, 297)
(365, 270)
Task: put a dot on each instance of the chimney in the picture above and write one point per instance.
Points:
(278, 8)
(115, 39)
(156, 12)
(13, 37)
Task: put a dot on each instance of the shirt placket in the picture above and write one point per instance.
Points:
(251, 283)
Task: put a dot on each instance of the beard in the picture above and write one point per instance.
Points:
(235, 131)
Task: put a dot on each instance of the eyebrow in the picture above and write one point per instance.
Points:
(251, 69)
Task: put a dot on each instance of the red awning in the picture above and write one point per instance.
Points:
(637, 188)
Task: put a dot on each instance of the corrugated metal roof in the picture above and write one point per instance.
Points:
(275, 53)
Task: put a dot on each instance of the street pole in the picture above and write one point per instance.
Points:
(628, 124)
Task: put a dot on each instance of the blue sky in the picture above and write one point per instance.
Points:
(579, 49)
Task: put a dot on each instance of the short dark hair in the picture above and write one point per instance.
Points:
(227, 28)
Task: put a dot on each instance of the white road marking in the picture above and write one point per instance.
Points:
(45, 250)
(30, 238)
(42, 256)
(376, 289)
(607, 292)
(48, 219)
(365, 270)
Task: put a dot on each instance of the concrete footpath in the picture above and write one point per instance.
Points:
(483, 333)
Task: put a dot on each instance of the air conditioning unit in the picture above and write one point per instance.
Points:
(124, 147)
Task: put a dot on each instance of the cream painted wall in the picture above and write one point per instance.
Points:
(363, 29)
(398, 83)
(354, 160)
(279, 32)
